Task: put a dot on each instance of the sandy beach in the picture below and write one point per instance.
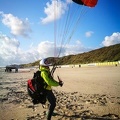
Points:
(88, 93)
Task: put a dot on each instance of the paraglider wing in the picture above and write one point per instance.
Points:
(78, 2)
(89, 3)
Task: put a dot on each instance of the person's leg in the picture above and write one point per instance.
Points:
(52, 100)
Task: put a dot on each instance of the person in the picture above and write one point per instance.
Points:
(46, 75)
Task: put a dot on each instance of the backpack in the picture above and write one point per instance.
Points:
(36, 88)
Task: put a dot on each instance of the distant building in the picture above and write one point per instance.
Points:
(10, 67)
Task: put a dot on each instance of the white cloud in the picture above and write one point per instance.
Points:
(10, 51)
(69, 1)
(17, 26)
(111, 40)
(8, 48)
(89, 33)
(75, 49)
(53, 10)
(46, 49)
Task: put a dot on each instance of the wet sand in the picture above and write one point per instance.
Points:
(88, 93)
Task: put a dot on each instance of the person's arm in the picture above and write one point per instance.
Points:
(48, 80)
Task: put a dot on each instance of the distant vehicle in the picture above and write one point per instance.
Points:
(10, 67)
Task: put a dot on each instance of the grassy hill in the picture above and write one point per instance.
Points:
(104, 54)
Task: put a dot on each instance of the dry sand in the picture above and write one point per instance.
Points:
(88, 93)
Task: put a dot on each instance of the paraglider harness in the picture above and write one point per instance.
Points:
(36, 88)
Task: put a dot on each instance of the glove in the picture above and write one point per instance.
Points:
(61, 83)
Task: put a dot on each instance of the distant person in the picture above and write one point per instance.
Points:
(46, 75)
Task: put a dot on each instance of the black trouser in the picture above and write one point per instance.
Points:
(52, 100)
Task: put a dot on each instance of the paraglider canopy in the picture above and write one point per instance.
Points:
(89, 3)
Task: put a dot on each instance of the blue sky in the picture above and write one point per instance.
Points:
(34, 29)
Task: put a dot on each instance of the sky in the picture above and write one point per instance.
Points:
(31, 30)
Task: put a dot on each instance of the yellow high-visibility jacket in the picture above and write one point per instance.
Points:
(45, 74)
